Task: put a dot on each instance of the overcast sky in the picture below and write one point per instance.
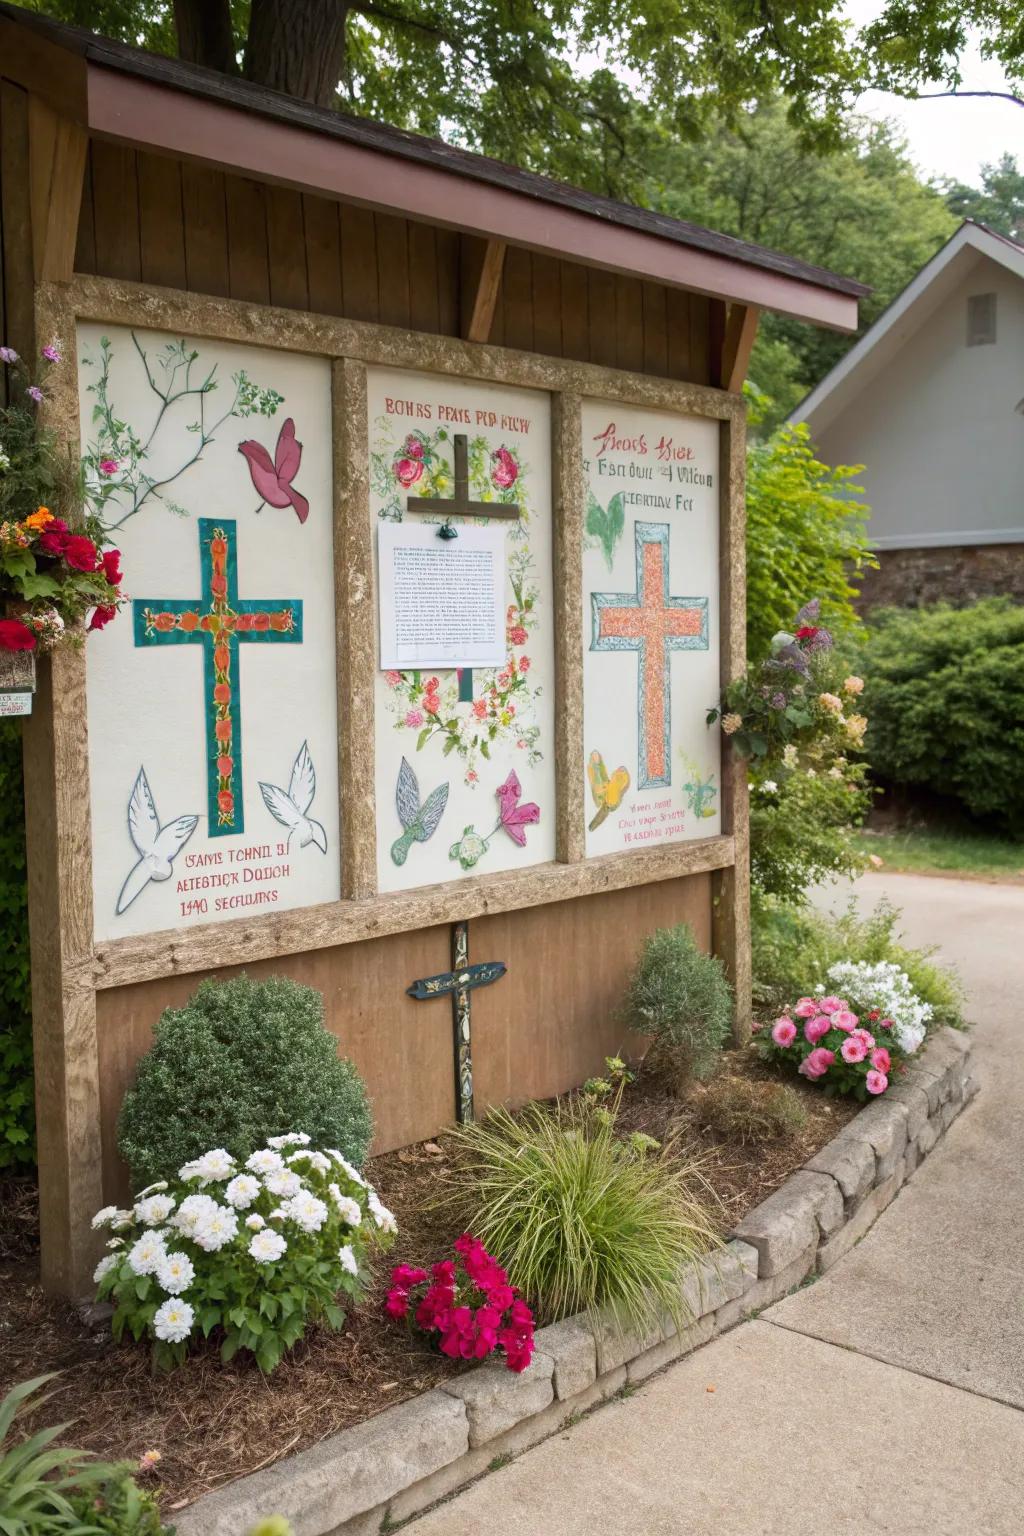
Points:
(953, 136)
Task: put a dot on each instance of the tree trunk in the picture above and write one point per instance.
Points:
(204, 34)
(297, 46)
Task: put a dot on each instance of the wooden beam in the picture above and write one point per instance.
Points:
(740, 334)
(57, 151)
(480, 295)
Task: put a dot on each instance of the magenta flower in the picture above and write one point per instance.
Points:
(52, 353)
(817, 1028)
(515, 818)
(109, 466)
(817, 1063)
(34, 393)
(504, 469)
(784, 1032)
(8, 355)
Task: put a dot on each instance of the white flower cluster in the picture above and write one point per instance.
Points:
(252, 1216)
(888, 988)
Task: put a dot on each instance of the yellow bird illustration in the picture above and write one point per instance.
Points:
(607, 792)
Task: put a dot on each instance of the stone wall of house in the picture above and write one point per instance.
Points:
(961, 574)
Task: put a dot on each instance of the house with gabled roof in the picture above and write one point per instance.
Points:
(931, 402)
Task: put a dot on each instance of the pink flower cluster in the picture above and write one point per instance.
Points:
(827, 1040)
(474, 1312)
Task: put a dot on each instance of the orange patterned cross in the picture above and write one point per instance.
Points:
(653, 624)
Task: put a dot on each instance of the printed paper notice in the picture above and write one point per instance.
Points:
(442, 601)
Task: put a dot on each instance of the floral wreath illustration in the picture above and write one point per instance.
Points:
(498, 705)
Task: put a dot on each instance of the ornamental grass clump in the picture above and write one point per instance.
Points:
(581, 1218)
(242, 1061)
(255, 1253)
(680, 995)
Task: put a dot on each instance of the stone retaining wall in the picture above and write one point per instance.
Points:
(368, 1479)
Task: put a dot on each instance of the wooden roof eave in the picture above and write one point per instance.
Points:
(130, 108)
(160, 119)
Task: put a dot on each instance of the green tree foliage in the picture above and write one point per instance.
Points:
(547, 85)
(17, 1105)
(945, 701)
(861, 211)
(998, 202)
(806, 535)
(243, 1060)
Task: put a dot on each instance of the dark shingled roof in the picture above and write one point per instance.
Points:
(228, 90)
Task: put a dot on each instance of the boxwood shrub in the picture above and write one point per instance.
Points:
(944, 698)
(243, 1060)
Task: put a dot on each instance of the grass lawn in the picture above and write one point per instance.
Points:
(952, 851)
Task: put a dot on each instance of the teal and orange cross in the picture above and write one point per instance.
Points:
(654, 624)
(219, 620)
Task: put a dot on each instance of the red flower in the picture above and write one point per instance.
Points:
(111, 561)
(408, 471)
(225, 801)
(504, 469)
(221, 693)
(221, 657)
(222, 730)
(225, 766)
(432, 704)
(164, 622)
(80, 553)
(219, 585)
(188, 622)
(397, 1303)
(16, 636)
(102, 615)
(807, 632)
(517, 635)
(55, 539)
(261, 621)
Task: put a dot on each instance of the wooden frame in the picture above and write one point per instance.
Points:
(69, 967)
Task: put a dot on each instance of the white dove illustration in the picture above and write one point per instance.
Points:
(290, 809)
(157, 846)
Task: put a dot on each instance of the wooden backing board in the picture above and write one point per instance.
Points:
(99, 1003)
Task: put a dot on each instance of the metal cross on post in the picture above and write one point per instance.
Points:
(457, 984)
(460, 505)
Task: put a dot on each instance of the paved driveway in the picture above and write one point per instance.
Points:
(888, 1396)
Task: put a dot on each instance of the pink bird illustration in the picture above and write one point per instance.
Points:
(273, 480)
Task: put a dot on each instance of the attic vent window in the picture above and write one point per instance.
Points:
(981, 319)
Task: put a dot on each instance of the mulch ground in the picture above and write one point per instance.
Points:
(212, 1423)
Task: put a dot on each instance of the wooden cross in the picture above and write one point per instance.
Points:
(457, 984)
(653, 624)
(219, 620)
(460, 505)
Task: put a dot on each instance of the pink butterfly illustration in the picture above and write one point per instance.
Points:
(273, 480)
(515, 818)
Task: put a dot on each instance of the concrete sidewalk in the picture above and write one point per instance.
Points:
(886, 1397)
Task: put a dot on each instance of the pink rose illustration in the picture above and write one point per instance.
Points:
(504, 469)
(414, 719)
(408, 471)
(413, 446)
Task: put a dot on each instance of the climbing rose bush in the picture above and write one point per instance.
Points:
(468, 1303)
(257, 1251)
(827, 1042)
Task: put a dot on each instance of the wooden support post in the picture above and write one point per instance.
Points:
(57, 150)
(740, 335)
(730, 920)
(57, 825)
(568, 504)
(356, 631)
(481, 287)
